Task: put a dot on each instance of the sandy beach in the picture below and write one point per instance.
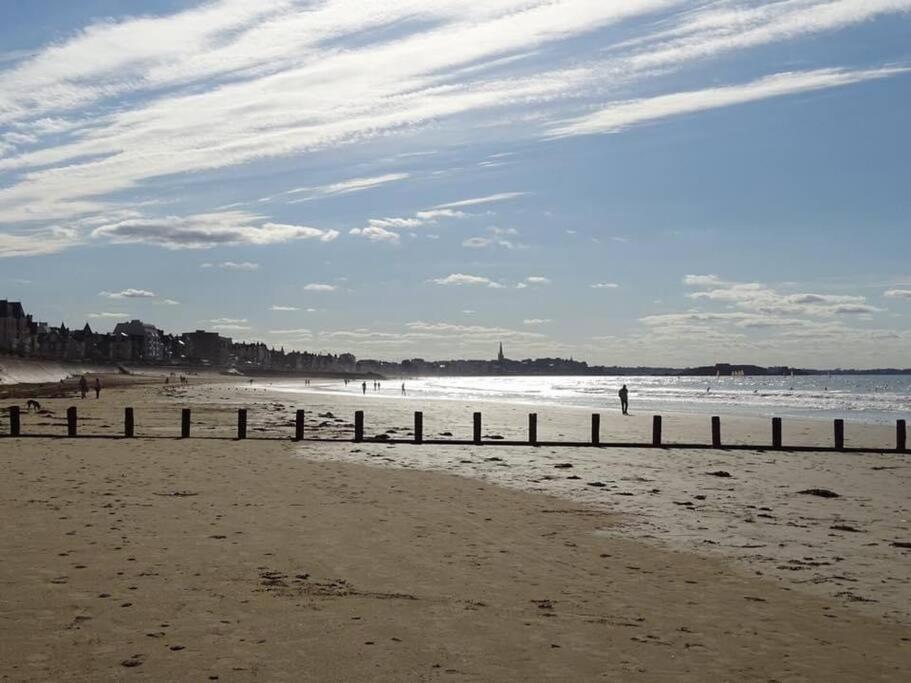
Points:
(272, 560)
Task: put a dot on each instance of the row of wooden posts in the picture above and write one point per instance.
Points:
(129, 432)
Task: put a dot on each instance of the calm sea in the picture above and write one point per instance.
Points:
(868, 398)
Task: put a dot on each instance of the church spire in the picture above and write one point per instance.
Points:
(500, 356)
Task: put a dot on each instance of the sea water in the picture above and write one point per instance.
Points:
(866, 398)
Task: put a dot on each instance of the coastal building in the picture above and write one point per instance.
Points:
(208, 347)
(147, 339)
(15, 326)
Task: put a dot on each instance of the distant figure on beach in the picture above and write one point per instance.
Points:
(97, 388)
(624, 399)
(83, 386)
(364, 388)
(403, 388)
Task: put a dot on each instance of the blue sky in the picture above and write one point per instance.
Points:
(646, 182)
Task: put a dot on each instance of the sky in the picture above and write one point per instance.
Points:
(647, 182)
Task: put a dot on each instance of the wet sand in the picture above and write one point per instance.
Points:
(279, 561)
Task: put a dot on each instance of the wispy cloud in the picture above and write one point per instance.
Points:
(604, 285)
(475, 201)
(232, 265)
(345, 187)
(497, 237)
(284, 308)
(897, 294)
(618, 116)
(319, 287)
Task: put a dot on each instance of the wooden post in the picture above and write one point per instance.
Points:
(241, 423)
(71, 421)
(839, 434)
(901, 436)
(656, 430)
(128, 424)
(418, 426)
(596, 429)
(477, 427)
(716, 431)
(358, 426)
(533, 429)
(185, 423)
(299, 425)
(776, 432)
(14, 421)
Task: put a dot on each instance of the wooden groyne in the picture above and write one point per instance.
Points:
(776, 443)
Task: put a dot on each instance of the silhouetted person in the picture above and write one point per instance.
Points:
(624, 399)
(364, 388)
(83, 386)
(403, 388)
(97, 388)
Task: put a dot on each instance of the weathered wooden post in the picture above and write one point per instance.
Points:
(14, 421)
(299, 425)
(71, 421)
(776, 432)
(839, 434)
(241, 423)
(358, 426)
(901, 436)
(716, 431)
(656, 430)
(128, 424)
(533, 429)
(418, 426)
(596, 429)
(185, 423)
(477, 427)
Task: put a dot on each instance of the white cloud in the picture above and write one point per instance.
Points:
(203, 231)
(231, 327)
(488, 199)
(167, 302)
(537, 280)
(460, 279)
(604, 285)
(702, 280)
(618, 116)
(375, 233)
(319, 287)
(299, 332)
(346, 186)
(284, 308)
(497, 238)
(232, 265)
(129, 294)
(46, 241)
(535, 321)
(109, 314)
(898, 294)
(227, 321)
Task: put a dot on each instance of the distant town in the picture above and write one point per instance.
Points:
(138, 342)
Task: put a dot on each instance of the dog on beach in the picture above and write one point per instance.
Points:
(32, 403)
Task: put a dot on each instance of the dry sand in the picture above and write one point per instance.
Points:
(184, 560)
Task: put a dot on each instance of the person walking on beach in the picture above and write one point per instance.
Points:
(97, 388)
(403, 388)
(364, 388)
(83, 386)
(624, 399)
